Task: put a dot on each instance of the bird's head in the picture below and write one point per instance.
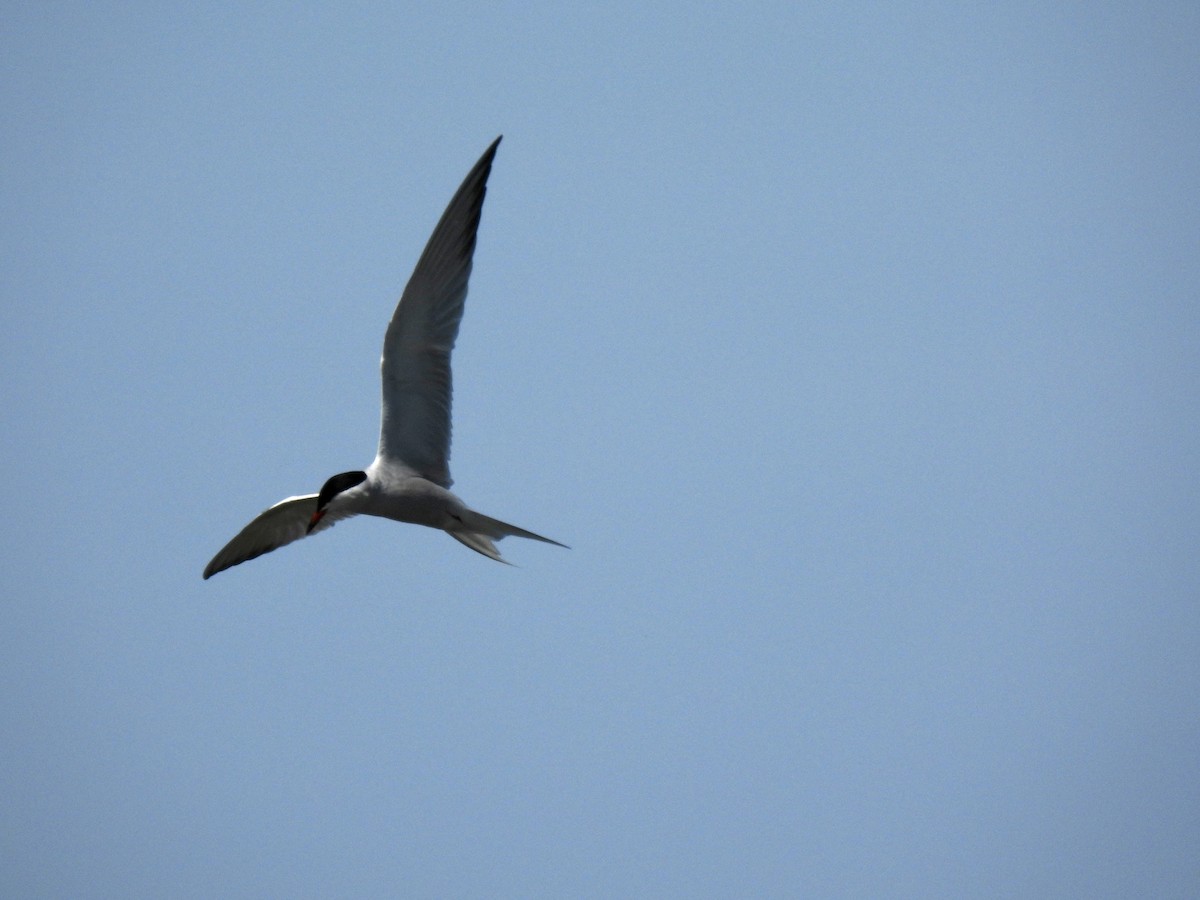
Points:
(333, 488)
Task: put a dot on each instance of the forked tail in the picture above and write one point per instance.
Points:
(479, 531)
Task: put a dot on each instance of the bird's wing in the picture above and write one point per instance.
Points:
(283, 523)
(415, 427)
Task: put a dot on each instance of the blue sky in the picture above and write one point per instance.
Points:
(855, 351)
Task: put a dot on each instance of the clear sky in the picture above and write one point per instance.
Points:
(854, 350)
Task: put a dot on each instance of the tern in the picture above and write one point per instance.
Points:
(409, 479)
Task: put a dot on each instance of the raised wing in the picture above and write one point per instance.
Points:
(283, 523)
(415, 428)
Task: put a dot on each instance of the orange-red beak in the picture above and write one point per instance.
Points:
(316, 517)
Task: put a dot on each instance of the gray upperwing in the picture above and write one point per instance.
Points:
(417, 384)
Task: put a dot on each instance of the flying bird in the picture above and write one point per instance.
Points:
(409, 479)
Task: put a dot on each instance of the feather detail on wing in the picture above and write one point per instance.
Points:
(417, 384)
(281, 524)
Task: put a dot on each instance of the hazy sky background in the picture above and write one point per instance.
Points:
(855, 351)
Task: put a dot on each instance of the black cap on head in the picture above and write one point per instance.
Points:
(337, 484)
